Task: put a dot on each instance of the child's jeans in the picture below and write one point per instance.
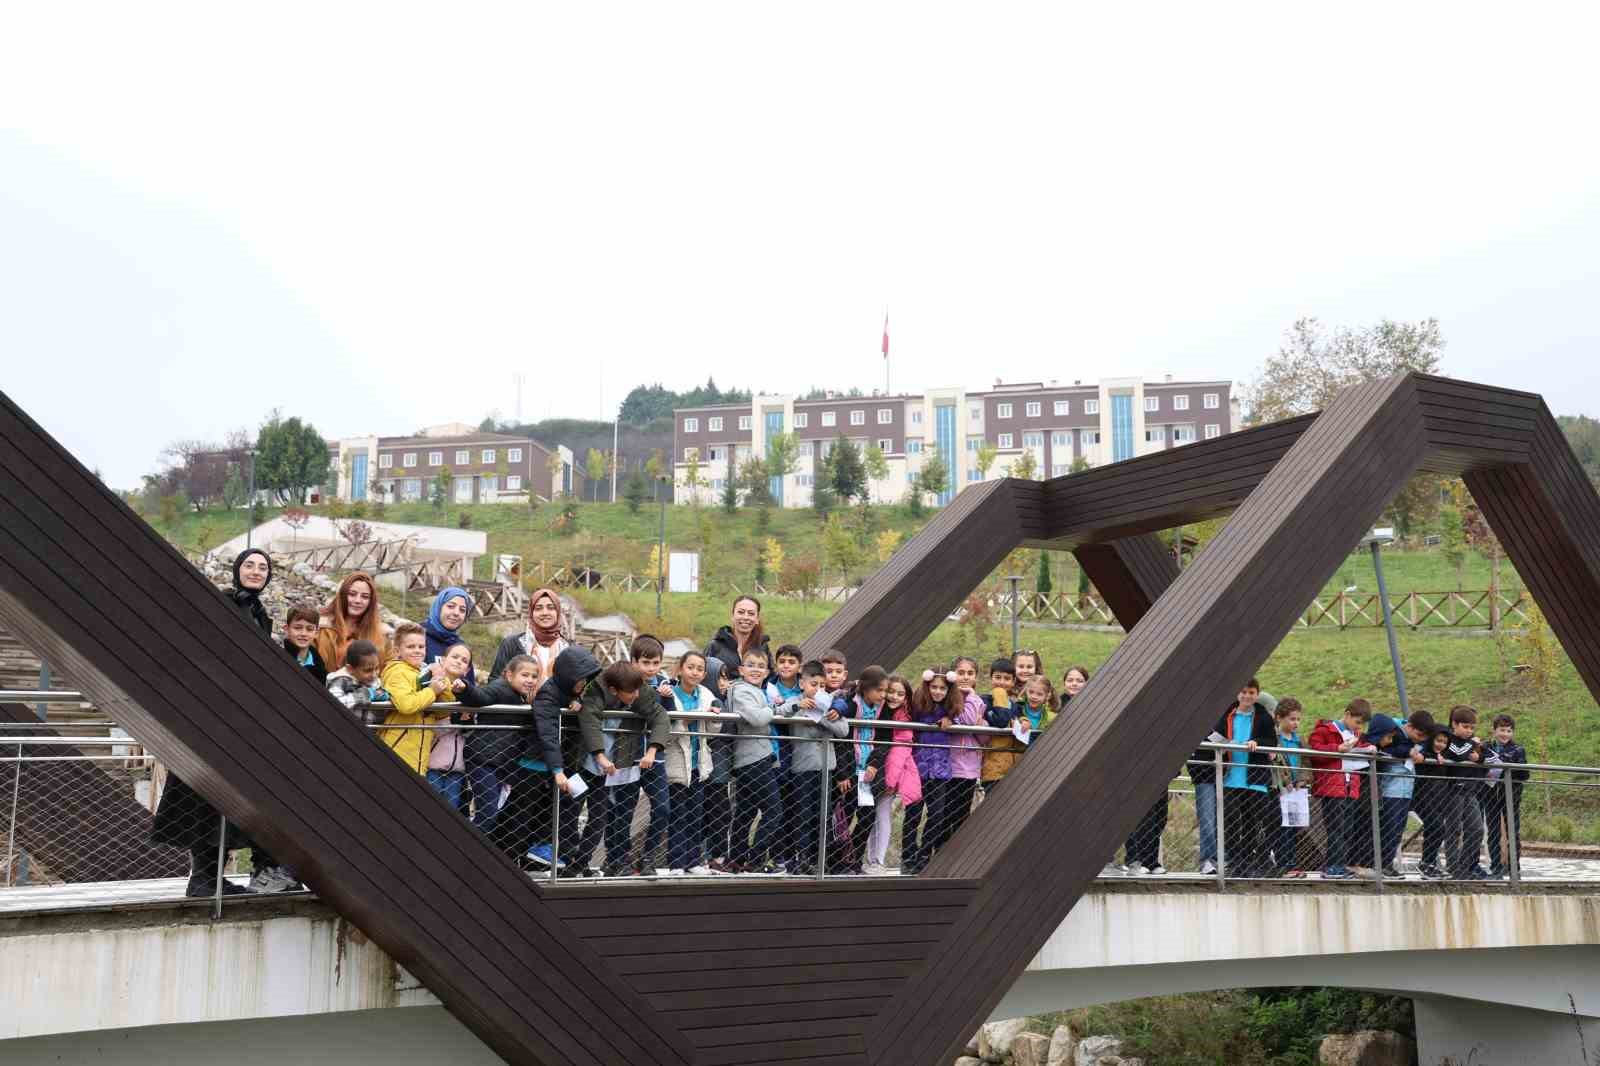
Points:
(914, 851)
(1205, 814)
(717, 818)
(485, 785)
(620, 803)
(806, 821)
(882, 828)
(755, 790)
(577, 848)
(1493, 804)
(1338, 821)
(1392, 813)
(1143, 845)
(1464, 833)
(448, 784)
(525, 819)
(686, 825)
(653, 783)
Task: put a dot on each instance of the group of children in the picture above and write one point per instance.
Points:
(1453, 780)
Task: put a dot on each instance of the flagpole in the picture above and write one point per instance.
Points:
(886, 389)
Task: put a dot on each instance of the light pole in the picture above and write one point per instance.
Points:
(1016, 620)
(661, 547)
(250, 505)
(1376, 540)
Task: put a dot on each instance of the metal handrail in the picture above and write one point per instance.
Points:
(41, 695)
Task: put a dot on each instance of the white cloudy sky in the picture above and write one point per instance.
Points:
(373, 215)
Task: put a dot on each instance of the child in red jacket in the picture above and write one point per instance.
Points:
(1336, 782)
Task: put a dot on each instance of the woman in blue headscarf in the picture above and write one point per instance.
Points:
(447, 615)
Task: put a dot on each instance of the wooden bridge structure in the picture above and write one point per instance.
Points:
(889, 971)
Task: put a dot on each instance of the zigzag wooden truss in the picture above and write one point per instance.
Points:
(880, 971)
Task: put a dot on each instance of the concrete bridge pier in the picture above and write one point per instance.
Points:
(1458, 1032)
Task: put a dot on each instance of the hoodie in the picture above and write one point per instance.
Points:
(440, 639)
(554, 748)
(1396, 776)
(498, 748)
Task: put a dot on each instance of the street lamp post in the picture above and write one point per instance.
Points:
(661, 547)
(1376, 540)
(1016, 619)
(250, 504)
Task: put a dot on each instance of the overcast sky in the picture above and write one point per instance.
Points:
(374, 219)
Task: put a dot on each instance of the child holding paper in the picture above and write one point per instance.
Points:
(816, 726)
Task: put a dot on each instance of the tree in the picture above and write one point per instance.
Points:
(1452, 540)
(594, 468)
(783, 455)
(984, 459)
(934, 477)
(691, 478)
(295, 519)
(291, 456)
(876, 463)
(1312, 365)
(441, 488)
(753, 479)
(730, 488)
(1042, 584)
(556, 466)
(634, 491)
(849, 476)
(1079, 465)
(1583, 435)
(823, 499)
(888, 543)
(655, 468)
(840, 547)
(1024, 466)
(356, 532)
(772, 555)
(646, 403)
(201, 469)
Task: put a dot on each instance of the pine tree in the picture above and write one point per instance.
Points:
(730, 488)
(849, 473)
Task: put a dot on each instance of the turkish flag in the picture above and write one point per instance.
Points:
(886, 335)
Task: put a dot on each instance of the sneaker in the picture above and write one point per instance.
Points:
(667, 871)
(541, 855)
(1156, 869)
(1336, 873)
(701, 871)
(1431, 872)
(273, 879)
(204, 886)
(593, 871)
(1392, 873)
(1208, 868)
(875, 869)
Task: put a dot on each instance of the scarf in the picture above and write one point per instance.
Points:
(544, 637)
(249, 600)
(864, 733)
(440, 639)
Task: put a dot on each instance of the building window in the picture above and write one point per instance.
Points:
(974, 475)
(916, 416)
(744, 423)
(1005, 441)
(885, 445)
(1213, 431)
(463, 456)
(489, 483)
(803, 480)
(975, 413)
(1158, 435)
(408, 459)
(716, 486)
(1033, 440)
(1088, 438)
(1180, 403)
(714, 425)
(1002, 410)
(1152, 403)
(830, 418)
(411, 488)
(1121, 427)
(801, 420)
(1033, 409)
(1059, 469)
(858, 418)
(913, 447)
(1091, 407)
(974, 443)
(1182, 434)
(741, 454)
(807, 449)
(1210, 401)
(436, 458)
(385, 461)
(1063, 407)
(715, 454)
(513, 483)
(691, 455)
(488, 455)
(885, 416)
(691, 425)
(1061, 438)
(514, 455)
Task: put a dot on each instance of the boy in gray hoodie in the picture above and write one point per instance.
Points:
(816, 725)
(755, 769)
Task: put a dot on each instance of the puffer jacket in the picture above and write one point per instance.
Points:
(725, 647)
(413, 705)
(1328, 776)
(966, 758)
(555, 747)
(681, 742)
(933, 754)
(1000, 754)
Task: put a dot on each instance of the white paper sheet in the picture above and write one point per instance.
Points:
(864, 793)
(630, 776)
(575, 786)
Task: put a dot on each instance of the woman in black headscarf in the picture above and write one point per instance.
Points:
(184, 819)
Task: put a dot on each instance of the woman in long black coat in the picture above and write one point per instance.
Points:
(184, 819)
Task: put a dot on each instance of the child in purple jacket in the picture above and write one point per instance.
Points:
(934, 701)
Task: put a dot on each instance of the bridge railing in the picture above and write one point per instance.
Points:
(727, 795)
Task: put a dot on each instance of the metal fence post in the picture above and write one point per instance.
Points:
(222, 862)
(555, 808)
(11, 831)
(1513, 849)
(1222, 846)
(822, 813)
(1377, 822)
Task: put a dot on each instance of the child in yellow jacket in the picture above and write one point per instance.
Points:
(413, 701)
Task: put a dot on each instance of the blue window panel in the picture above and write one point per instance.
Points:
(358, 476)
(1121, 428)
(774, 428)
(944, 426)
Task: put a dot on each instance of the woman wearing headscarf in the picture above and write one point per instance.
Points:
(184, 819)
(542, 639)
(350, 616)
(445, 619)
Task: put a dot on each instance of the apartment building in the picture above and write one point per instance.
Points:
(478, 467)
(1100, 422)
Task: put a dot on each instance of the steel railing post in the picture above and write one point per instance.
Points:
(822, 811)
(1513, 850)
(1222, 846)
(222, 862)
(555, 809)
(11, 831)
(1377, 822)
